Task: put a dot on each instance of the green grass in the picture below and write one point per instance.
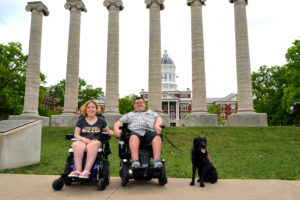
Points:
(242, 153)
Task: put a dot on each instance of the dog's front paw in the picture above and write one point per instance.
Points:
(202, 185)
(192, 183)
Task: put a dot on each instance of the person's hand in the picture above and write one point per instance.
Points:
(86, 141)
(117, 133)
(158, 129)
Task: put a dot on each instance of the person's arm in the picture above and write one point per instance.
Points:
(158, 122)
(110, 132)
(117, 130)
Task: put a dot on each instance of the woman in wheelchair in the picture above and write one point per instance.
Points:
(87, 138)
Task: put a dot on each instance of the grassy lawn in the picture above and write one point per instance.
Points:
(243, 153)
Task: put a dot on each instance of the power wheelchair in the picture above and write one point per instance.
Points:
(99, 173)
(146, 171)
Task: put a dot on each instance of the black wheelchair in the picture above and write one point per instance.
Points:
(146, 171)
(99, 173)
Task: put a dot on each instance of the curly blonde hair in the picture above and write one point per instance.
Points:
(83, 107)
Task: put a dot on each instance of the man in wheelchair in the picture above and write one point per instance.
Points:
(141, 135)
(145, 128)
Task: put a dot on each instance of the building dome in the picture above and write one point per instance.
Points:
(168, 73)
(166, 59)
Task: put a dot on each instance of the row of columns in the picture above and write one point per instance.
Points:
(112, 76)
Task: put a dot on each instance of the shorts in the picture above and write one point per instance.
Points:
(92, 137)
(147, 138)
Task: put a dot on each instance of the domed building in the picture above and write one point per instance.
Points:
(175, 103)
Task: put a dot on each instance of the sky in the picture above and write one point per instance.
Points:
(273, 25)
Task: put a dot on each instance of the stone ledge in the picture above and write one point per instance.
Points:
(64, 120)
(248, 119)
(201, 119)
(45, 120)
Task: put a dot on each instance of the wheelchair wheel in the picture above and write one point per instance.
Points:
(162, 180)
(124, 173)
(101, 184)
(67, 181)
(106, 172)
(57, 184)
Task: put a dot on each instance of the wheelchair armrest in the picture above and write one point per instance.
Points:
(104, 136)
(69, 136)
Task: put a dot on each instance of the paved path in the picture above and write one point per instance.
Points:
(22, 187)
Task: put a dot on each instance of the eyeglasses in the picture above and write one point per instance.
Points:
(139, 102)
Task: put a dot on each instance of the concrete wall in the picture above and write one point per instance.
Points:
(21, 146)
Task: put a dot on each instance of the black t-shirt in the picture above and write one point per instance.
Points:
(91, 131)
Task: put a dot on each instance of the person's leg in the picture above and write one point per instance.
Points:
(91, 154)
(156, 146)
(78, 151)
(134, 144)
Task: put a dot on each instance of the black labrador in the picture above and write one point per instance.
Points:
(201, 162)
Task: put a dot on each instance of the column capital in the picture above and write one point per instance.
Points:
(190, 2)
(78, 4)
(117, 3)
(236, 1)
(37, 6)
(160, 3)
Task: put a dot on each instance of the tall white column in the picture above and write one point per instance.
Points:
(31, 99)
(246, 115)
(198, 63)
(244, 84)
(155, 102)
(72, 77)
(199, 116)
(112, 70)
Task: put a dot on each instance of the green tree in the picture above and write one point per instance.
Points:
(214, 109)
(13, 65)
(126, 104)
(292, 91)
(85, 92)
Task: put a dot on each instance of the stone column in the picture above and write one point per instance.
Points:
(155, 102)
(31, 99)
(72, 77)
(112, 69)
(198, 64)
(246, 115)
(199, 116)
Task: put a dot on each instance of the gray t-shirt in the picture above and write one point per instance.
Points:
(140, 122)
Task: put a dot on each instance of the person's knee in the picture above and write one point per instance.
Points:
(157, 140)
(78, 145)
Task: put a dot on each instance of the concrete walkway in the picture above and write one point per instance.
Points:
(22, 187)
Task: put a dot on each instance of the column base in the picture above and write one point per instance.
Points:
(45, 120)
(200, 119)
(247, 119)
(67, 120)
(111, 118)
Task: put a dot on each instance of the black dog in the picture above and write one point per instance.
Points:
(201, 162)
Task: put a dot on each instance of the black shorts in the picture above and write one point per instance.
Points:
(147, 138)
(92, 137)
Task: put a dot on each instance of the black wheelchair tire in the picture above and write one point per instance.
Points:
(57, 184)
(101, 184)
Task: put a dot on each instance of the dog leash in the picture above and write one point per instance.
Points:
(173, 145)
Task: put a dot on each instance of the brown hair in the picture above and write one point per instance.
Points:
(83, 107)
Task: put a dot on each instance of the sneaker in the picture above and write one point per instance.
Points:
(84, 175)
(135, 164)
(157, 163)
(74, 174)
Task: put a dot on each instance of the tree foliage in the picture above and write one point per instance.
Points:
(277, 88)
(126, 104)
(13, 65)
(85, 92)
